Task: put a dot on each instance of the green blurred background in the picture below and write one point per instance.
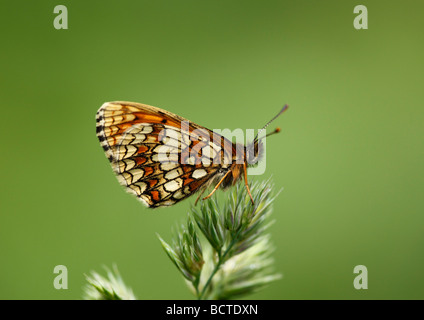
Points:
(350, 155)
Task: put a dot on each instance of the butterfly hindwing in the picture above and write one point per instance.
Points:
(154, 156)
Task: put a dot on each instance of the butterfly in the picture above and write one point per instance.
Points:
(163, 158)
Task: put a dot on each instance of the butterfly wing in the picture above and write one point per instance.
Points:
(158, 156)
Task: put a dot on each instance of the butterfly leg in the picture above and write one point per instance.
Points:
(245, 182)
(200, 194)
(216, 187)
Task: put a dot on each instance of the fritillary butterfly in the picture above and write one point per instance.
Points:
(163, 158)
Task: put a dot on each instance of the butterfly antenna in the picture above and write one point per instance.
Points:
(269, 122)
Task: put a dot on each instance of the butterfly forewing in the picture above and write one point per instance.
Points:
(158, 156)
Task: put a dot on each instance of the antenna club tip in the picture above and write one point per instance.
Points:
(277, 129)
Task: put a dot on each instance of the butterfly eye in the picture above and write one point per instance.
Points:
(254, 152)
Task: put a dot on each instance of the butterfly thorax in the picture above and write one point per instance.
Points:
(243, 156)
